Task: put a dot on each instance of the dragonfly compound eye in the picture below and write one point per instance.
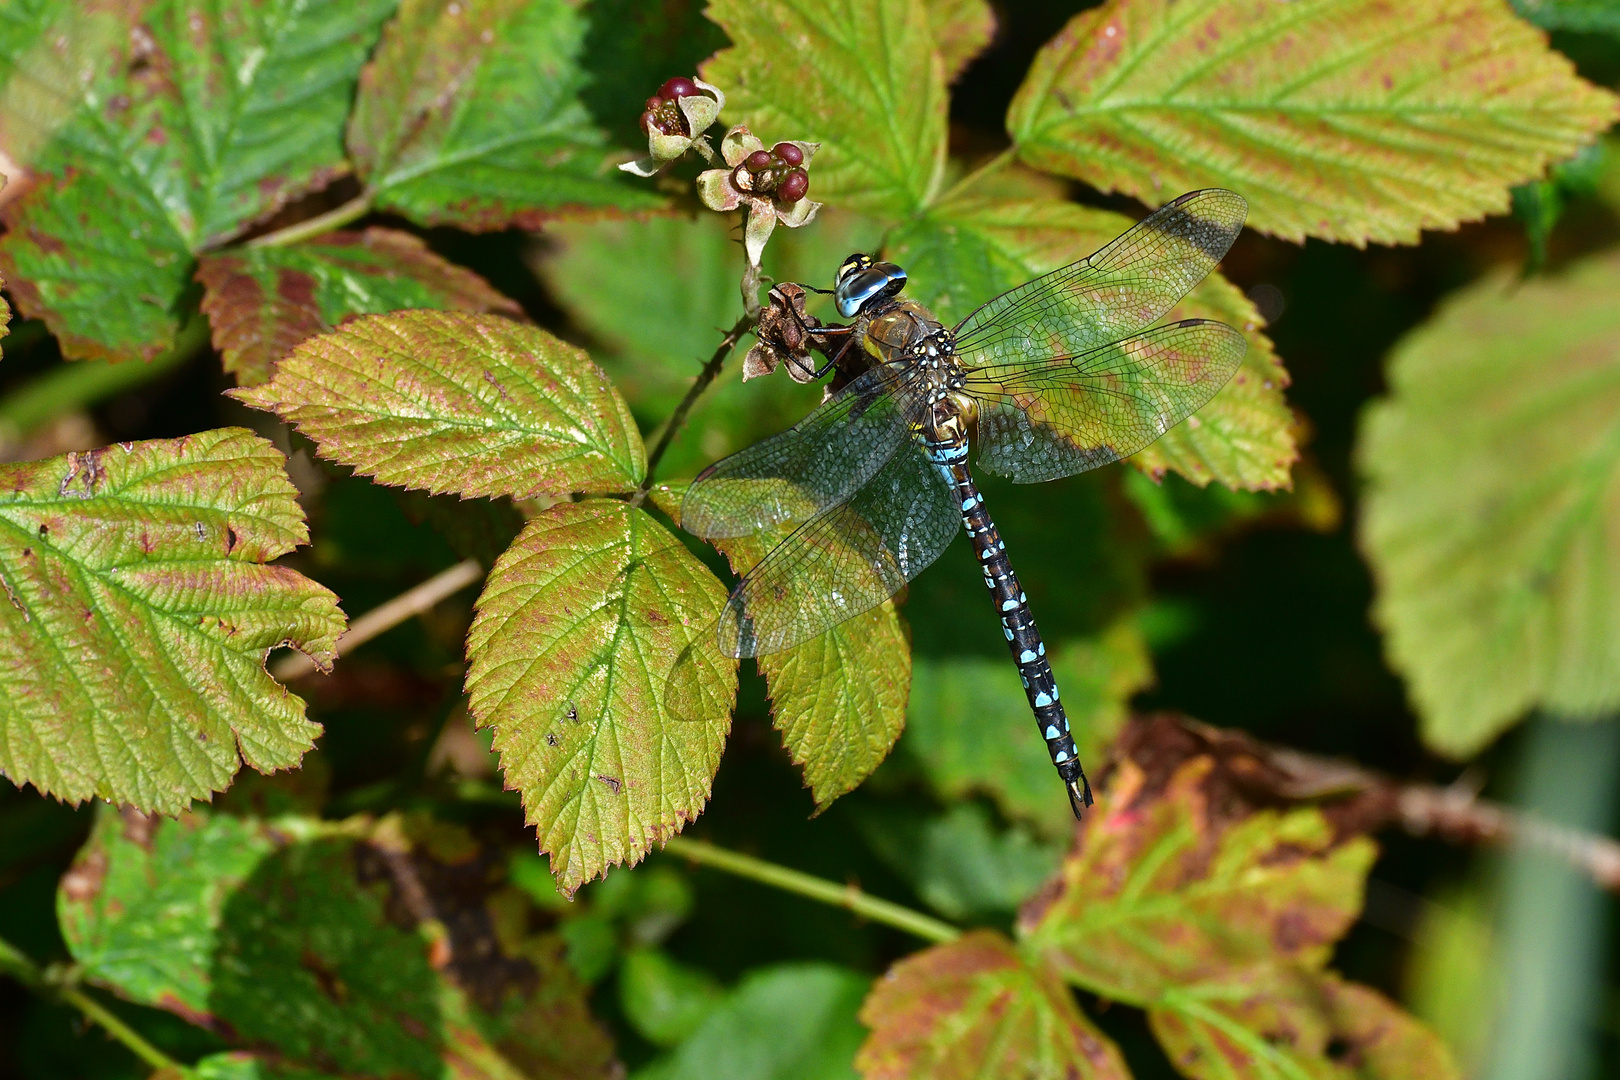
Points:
(858, 287)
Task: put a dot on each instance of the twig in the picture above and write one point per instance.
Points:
(672, 426)
(15, 963)
(412, 602)
(820, 889)
(357, 207)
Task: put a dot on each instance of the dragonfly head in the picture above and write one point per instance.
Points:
(860, 281)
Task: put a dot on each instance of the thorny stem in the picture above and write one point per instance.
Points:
(15, 963)
(672, 426)
(818, 889)
(357, 207)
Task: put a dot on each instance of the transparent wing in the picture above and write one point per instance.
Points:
(849, 558)
(815, 463)
(1042, 419)
(1111, 293)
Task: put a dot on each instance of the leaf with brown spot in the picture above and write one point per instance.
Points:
(974, 1008)
(133, 628)
(568, 669)
(261, 302)
(452, 401)
(1351, 120)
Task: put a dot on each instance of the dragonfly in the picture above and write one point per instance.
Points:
(1062, 374)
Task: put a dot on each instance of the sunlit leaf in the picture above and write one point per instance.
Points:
(962, 30)
(577, 630)
(970, 728)
(1331, 117)
(971, 248)
(862, 78)
(448, 401)
(791, 1020)
(138, 610)
(152, 132)
(1492, 518)
(974, 1008)
(469, 115)
(287, 935)
(261, 302)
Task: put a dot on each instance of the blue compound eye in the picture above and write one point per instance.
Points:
(858, 287)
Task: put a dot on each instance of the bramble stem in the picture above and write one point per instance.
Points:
(819, 889)
(357, 207)
(672, 426)
(386, 616)
(15, 963)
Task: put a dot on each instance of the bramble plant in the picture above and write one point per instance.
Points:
(475, 276)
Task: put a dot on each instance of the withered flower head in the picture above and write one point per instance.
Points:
(783, 337)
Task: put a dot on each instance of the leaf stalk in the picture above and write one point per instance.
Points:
(337, 217)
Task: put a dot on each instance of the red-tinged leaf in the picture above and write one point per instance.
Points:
(137, 614)
(153, 131)
(578, 628)
(450, 401)
(469, 115)
(261, 302)
(1351, 120)
(962, 30)
(975, 1008)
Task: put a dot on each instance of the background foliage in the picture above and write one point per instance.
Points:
(315, 301)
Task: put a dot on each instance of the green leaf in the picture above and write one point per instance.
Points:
(791, 1020)
(1581, 16)
(1492, 517)
(370, 949)
(449, 401)
(1332, 118)
(242, 1066)
(664, 1000)
(263, 301)
(138, 610)
(973, 247)
(577, 630)
(971, 730)
(151, 137)
(1167, 888)
(469, 115)
(974, 1008)
(962, 30)
(862, 78)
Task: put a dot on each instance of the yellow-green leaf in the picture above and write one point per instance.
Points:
(451, 401)
(1492, 518)
(974, 1008)
(962, 29)
(1343, 119)
(577, 630)
(972, 247)
(861, 77)
(138, 608)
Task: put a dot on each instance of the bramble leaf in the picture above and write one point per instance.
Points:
(974, 1008)
(1492, 518)
(137, 614)
(152, 134)
(236, 1065)
(962, 30)
(286, 935)
(1581, 16)
(469, 115)
(450, 401)
(263, 301)
(861, 78)
(579, 625)
(971, 248)
(1332, 118)
(970, 727)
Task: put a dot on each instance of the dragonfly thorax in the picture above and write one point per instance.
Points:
(905, 334)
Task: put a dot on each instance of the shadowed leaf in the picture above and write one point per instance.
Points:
(1334, 118)
(469, 115)
(261, 302)
(962, 30)
(973, 1008)
(1581, 16)
(449, 401)
(861, 78)
(241, 1066)
(152, 134)
(1493, 510)
(971, 248)
(578, 627)
(137, 614)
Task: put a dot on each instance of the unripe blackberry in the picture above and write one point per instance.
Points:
(788, 153)
(793, 187)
